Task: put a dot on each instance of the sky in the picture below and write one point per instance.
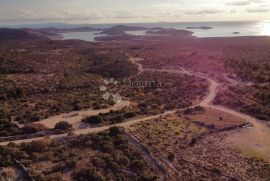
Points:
(131, 11)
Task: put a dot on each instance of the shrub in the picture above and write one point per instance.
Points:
(96, 105)
(193, 142)
(188, 111)
(199, 109)
(113, 166)
(71, 164)
(118, 119)
(119, 140)
(5, 161)
(106, 148)
(60, 167)
(93, 120)
(114, 131)
(28, 129)
(19, 92)
(35, 146)
(124, 161)
(147, 177)
(53, 176)
(97, 162)
(171, 157)
(77, 106)
(137, 165)
(130, 115)
(12, 145)
(87, 175)
(63, 125)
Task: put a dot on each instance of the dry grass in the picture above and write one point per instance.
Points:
(210, 158)
(218, 119)
(167, 131)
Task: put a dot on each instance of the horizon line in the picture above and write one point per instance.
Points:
(114, 23)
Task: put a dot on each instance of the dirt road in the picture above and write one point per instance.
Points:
(256, 138)
(76, 116)
(254, 141)
(93, 130)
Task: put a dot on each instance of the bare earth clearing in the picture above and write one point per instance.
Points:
(79, 115)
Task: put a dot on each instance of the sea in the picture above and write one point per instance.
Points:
(214, 29)
(221, 29)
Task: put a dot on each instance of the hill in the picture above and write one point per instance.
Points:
(20, 34)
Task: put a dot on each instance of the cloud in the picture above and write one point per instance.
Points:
(238, 3)
(257, 1)
(64, 14)
(71, 15)
(123, 14)
(202, 12)
(165, 5)
(243, 2)
(258, 10)
(130, 11)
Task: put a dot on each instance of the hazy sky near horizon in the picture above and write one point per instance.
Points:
(130, 11)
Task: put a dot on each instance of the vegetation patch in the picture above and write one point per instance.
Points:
(111, 117)
(103, 156)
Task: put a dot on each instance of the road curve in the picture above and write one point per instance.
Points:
(206, 102)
